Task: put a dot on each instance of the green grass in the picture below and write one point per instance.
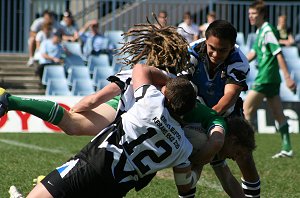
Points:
(23, 158)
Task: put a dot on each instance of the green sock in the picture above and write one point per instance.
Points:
(44, 109)
(285, 136)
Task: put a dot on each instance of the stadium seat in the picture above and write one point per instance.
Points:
(252, 74)
(115, 37)
(290, 53)
(295, 74)
(78, 73)
(57, 88)
(117, 65)
(54, 72)
(250, 40)
(101, 60)
(293, 64)
(102, 73)
(244, 48)
(73, 48)
(82, 87)
(240, 39)
(101, 84)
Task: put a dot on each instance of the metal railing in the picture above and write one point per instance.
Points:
(17, 15)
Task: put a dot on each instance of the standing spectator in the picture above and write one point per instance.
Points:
(70, 27)
(162, 19)
(210, 17)
(51, 52)
(42, 35)
(286, 37)
(93, 41)
(267, 83)
(48, 17)
(188, 29)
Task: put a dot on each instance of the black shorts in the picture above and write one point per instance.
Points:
(83, 181)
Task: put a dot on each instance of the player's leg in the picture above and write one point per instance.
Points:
(39, 191)
(277, 110)
(251, 103)
(86, 123)
(250, 179)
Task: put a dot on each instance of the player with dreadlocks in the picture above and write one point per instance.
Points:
(161, 47)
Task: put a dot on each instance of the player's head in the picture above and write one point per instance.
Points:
(180, 95)
(161, 47)
(239, 139)
(257, 13)
(220, 40)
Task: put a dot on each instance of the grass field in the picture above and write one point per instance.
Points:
(25, 156)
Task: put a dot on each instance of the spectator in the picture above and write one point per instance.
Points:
(42, 35)
(286, 37)
(48, 17)
(210, 17)
(188, 29)
(93, 41)
(162, 19)
(70, 27)
(51, 52)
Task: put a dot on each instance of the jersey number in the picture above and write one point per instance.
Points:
(150, 153)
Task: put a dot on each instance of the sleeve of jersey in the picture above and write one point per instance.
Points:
(238, 69)
(149, 96)
(206, 116)
(272, 42)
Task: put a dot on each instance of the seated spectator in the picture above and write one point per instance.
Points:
(42, 35)
(93, 40)
(286, 37)
(188, 29)
(70, 27)
(52, 53)
(162, 18)
(48, 17)
(210, 17)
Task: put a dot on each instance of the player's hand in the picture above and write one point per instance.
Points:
(290, 83)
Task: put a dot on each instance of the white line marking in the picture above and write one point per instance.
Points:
(33, 147)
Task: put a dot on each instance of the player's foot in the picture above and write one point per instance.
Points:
(3, 102)
(30, 62)
(283, 154)
(14, 193)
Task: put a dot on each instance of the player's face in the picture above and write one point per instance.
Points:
(218, 49)
(254, 17)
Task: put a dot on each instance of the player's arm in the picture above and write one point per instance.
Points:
(213, 145)
(290, 83)
(94, 100)
(251, 55)
(231, 94)
(229, 183)
(145, 75)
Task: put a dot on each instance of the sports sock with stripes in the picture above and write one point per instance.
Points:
(44, 109)
(285, 136)
(251, 189)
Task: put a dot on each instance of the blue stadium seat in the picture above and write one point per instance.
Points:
(115, 37)
(293, 64)
(290, 53)
(240, 39)
(101, 60)
(117, 65)
(101, 74)
(245, 49)
(295, 74)
(73, 48)
(252, 73)
(82, 87)
(53, 72)
(251, 39)
(78, 73)
(58, 88)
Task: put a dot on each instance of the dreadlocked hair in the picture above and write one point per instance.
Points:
(161, 47)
